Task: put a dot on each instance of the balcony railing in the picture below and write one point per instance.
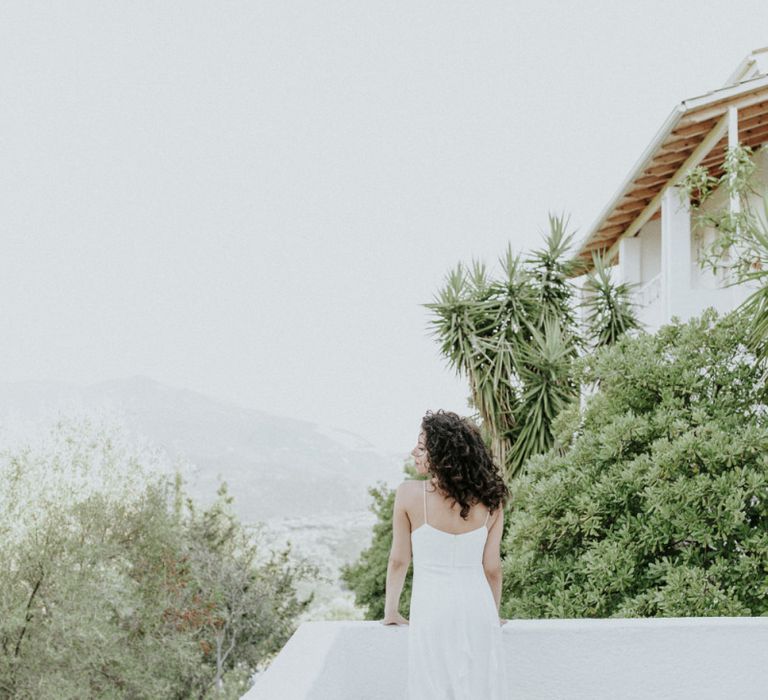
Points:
(610, 659)
(649, 292)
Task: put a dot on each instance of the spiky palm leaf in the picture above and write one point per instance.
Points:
(609, 306)
(507, 337)
(518, 298)
(459, 317)
(547, 388)
(467, 320)
(753, 237)
(552, 269)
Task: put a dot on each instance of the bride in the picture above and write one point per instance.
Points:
(451, 523)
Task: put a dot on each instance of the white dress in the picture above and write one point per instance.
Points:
(454, 636)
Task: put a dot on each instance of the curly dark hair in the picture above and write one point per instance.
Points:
(461, 463)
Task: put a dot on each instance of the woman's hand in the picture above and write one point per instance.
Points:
(502, 622)
(396, 619)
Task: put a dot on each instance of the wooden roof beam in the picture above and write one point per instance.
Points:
(623, 218)
(713, 111)
(634, 204)
(717, 156)
(754, 128)
(673, 157)
(636, 195)
(691, 162)
(694, 130)
(663, 170)
(610, 231)
(677, 145)
(746, 115)
(753, 137)
(649, 181)
(753, 114)
(602, 236)
(754, 108)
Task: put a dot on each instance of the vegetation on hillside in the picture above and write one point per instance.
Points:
(367, 576)
(113, 585)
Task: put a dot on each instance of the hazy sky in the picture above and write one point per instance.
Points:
(252, 199)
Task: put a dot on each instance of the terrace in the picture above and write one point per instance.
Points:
(610, 659)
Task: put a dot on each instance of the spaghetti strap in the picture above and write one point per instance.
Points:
(486, 518)
(425, 501)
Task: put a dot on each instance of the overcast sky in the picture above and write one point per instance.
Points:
(252, 199)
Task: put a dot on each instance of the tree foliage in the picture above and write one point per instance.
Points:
(515, 339)
(367, 576)
(739, 251)
(112, 587)
(657, 502)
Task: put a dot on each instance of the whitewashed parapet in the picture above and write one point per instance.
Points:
(716, 658)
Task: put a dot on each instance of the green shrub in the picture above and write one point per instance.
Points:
(368, 575)
(657, 503)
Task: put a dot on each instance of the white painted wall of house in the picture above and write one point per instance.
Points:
(650, 254)
(610, 659)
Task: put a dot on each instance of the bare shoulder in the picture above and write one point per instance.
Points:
(408, 488)
(403, 496)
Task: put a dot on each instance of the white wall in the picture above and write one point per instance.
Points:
(615, 659)
(650, 249)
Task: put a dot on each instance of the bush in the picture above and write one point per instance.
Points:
(657, 505)
(368, 575)
(111, 587)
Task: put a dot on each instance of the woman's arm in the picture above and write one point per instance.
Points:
(399, 559)
(492, 558)
(494, 581)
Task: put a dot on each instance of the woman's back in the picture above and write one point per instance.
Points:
(454, 647)
(448, 548)
(442, 513)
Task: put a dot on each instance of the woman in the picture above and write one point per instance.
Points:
(452, 521)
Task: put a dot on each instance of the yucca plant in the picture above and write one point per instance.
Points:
(552, 267)
(608, 304)
(476, 322)
(544, 367)
(514, 340)
(751, 267)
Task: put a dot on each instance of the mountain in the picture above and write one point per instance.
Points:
(275, 467)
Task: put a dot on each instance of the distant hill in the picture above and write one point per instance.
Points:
(275, 467)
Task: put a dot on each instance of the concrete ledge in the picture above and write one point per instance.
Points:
(689, 658)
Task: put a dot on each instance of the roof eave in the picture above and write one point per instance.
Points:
(681, 109)
(661, 135)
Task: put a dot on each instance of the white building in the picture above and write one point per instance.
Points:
(647, 231)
